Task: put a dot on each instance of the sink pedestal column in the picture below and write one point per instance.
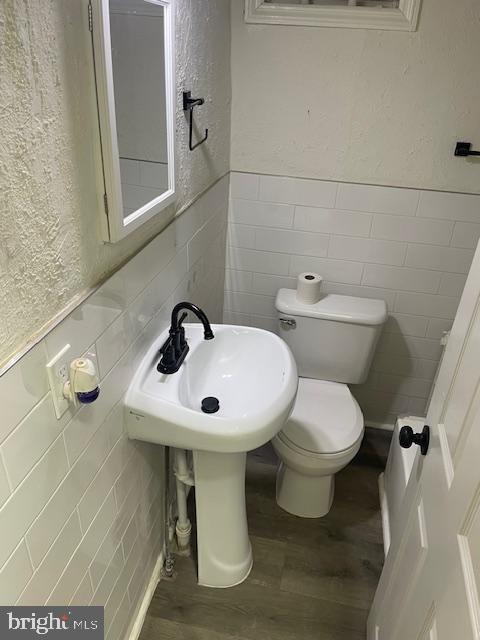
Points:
(224, 550)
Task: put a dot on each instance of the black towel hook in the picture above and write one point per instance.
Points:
(188, 105)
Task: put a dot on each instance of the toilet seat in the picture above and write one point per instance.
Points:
(326, 420)
(314, 459)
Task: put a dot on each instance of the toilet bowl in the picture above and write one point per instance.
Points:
(333, 342)
(321, 437)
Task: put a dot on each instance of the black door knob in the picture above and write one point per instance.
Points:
(407, 437)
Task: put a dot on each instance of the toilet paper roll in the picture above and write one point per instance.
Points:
(308, 288)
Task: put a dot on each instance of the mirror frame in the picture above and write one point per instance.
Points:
(405, 18)
(114, 226)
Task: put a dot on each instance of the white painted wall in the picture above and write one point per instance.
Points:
(81, 516)
(51, 251)
(359, 106)
(374, 108)
(409, 247)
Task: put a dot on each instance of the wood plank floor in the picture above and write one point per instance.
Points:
(311, 579)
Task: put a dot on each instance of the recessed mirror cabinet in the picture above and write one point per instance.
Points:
(133, 50)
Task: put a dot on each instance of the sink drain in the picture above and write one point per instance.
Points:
(210, 404)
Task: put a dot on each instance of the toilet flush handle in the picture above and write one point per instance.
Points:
(288, 323)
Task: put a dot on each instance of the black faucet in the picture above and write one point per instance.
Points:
(175, 347)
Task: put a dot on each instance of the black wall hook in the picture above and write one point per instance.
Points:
(464, 149)
(188, 105)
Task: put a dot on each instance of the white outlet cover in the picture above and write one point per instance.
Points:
(58, 375)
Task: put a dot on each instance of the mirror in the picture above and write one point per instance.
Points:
(134, 73)
(396, 15)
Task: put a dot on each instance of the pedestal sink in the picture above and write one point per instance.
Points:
(253, 376)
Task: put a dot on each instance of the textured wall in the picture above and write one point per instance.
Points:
(81, 505)
(50, 249)
(375, 107)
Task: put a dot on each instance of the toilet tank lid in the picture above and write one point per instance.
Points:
(335, 307)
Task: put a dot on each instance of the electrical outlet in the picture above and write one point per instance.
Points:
(58, 375)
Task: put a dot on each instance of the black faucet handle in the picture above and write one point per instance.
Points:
(167, 351)
(179, 338)
(182, 318)
(166, 345)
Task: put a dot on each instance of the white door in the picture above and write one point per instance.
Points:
(429, 588)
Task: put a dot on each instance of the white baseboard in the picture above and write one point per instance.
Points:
(384, 426)
(385, 514)
(139, 618)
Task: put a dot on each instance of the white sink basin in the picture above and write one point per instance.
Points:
(250, 371)
(254, 377)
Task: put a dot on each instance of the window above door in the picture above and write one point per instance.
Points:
(393, 15)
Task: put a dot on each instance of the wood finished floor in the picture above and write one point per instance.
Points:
(311, 579)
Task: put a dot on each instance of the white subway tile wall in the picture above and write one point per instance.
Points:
(408, 247)
(142, 181)
(81, 506)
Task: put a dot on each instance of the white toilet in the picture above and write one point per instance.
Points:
(333, 342)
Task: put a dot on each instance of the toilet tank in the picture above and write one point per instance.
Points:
(335, 338)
